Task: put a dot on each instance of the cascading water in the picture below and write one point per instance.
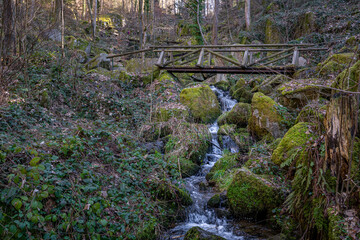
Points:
(198, 214)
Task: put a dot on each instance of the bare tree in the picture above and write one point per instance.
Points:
(247, 15)
(215, 22)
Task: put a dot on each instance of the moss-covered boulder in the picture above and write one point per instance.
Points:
(202, 102)
(272, 33)
(249, 195)
(312, 113)
(334, 64)
(238, 115)
(197, 233)
(186, 166)
(269, 84)
(240, 136)
(297, 93)
(169, 192)
(240, 91)
(217, 201)
(293, 144)
(100, 60)
(306, 24)
(223, 85)
(221, 173)
(166, 111)
(265, 118)
(348, 78)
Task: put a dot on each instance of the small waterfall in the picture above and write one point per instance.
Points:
(198, 214)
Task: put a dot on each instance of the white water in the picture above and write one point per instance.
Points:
(198, 215)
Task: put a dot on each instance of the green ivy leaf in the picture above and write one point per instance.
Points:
(34, 161)
(16, 203)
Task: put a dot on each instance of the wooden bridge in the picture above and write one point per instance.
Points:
(229, 59)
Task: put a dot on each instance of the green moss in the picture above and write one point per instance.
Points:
(241, 83)
(349, 78)
(293, 143)
(334, 64)
(168, 192)
(335, 230)
(223, 85)
(197, 233)
(264, 117)
(240, 92)
(238, 115)
(70, 41)
(306, 25)
(272, 33)
(187, 167)
(312, 114)
(148, 230)
(202, 102)
(252, 196)
(164, 113)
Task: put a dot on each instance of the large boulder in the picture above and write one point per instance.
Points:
(168, 110)
(334, 64)
(297, 93)
(293, 144)
(202, 102)
(197, 233)
(100, 60)
(240, 92)
(265, 118)
(348, 79)
(249, 195)
(238, 115)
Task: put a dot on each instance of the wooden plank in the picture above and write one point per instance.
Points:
(201, 58)
(271, 56)
(279, 58)
(244, 49)
(236, 45)
(225, 58)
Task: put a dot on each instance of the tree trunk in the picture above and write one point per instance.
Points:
(62, 29)
(8, 43)
(340, 124)
(215, 22)
(247, 15)
(94, 21)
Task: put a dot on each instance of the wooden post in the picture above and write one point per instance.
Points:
(295, 60)
(201, 58)
(209, 59)
(160, 60)
(250, 57)
(246, 56)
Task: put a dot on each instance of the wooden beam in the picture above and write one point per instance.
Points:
(129, 53)
(225, 58)
(279, 58)
(232, 70)
(182, 57)
(236, 45)
(271, 56)
(243, 50)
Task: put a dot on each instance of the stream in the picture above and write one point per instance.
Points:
(198, 214)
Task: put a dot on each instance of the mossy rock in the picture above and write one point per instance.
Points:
(249, 195)
(134, 65)
(293, 144)
(221, 173)
(272, 33)
(348, 79)
(197, 233)
(299, 95)
(265, 118)
(223, 85)
(187, 167)
(269, 84)
(169, 192)
(202, 102)
(227, 129)
(70, 41)
(171, 110)
(313, 114)
(217, 201)
(241, 83)
(334, 64)
(153, 131)
(238, 115)
(240, 92)
(239, 135)
(306, 25)
(152, 76)
(100, 60)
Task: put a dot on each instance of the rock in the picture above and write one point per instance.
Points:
(99, 61)
(168, 110)
(265, 118)
(169, 192)
(306, 25)
(187, 167)
(202, 102)
(269, 84)
(302, 62)
(272, 33)
(240, 137)
(54, 35)
(297, 93)
(240, 92)
(217, 201)
(313, 113)
(238, 115)
(334, 64)
(152, 147)
(220, 174)
(292, 145)
(223, 85)
(197, 233)
(153, 131)
(348, 79)
(252, 196)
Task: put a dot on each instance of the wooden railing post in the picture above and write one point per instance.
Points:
(295, 59)
(246, 57)
(201, 58)
(161, 59)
